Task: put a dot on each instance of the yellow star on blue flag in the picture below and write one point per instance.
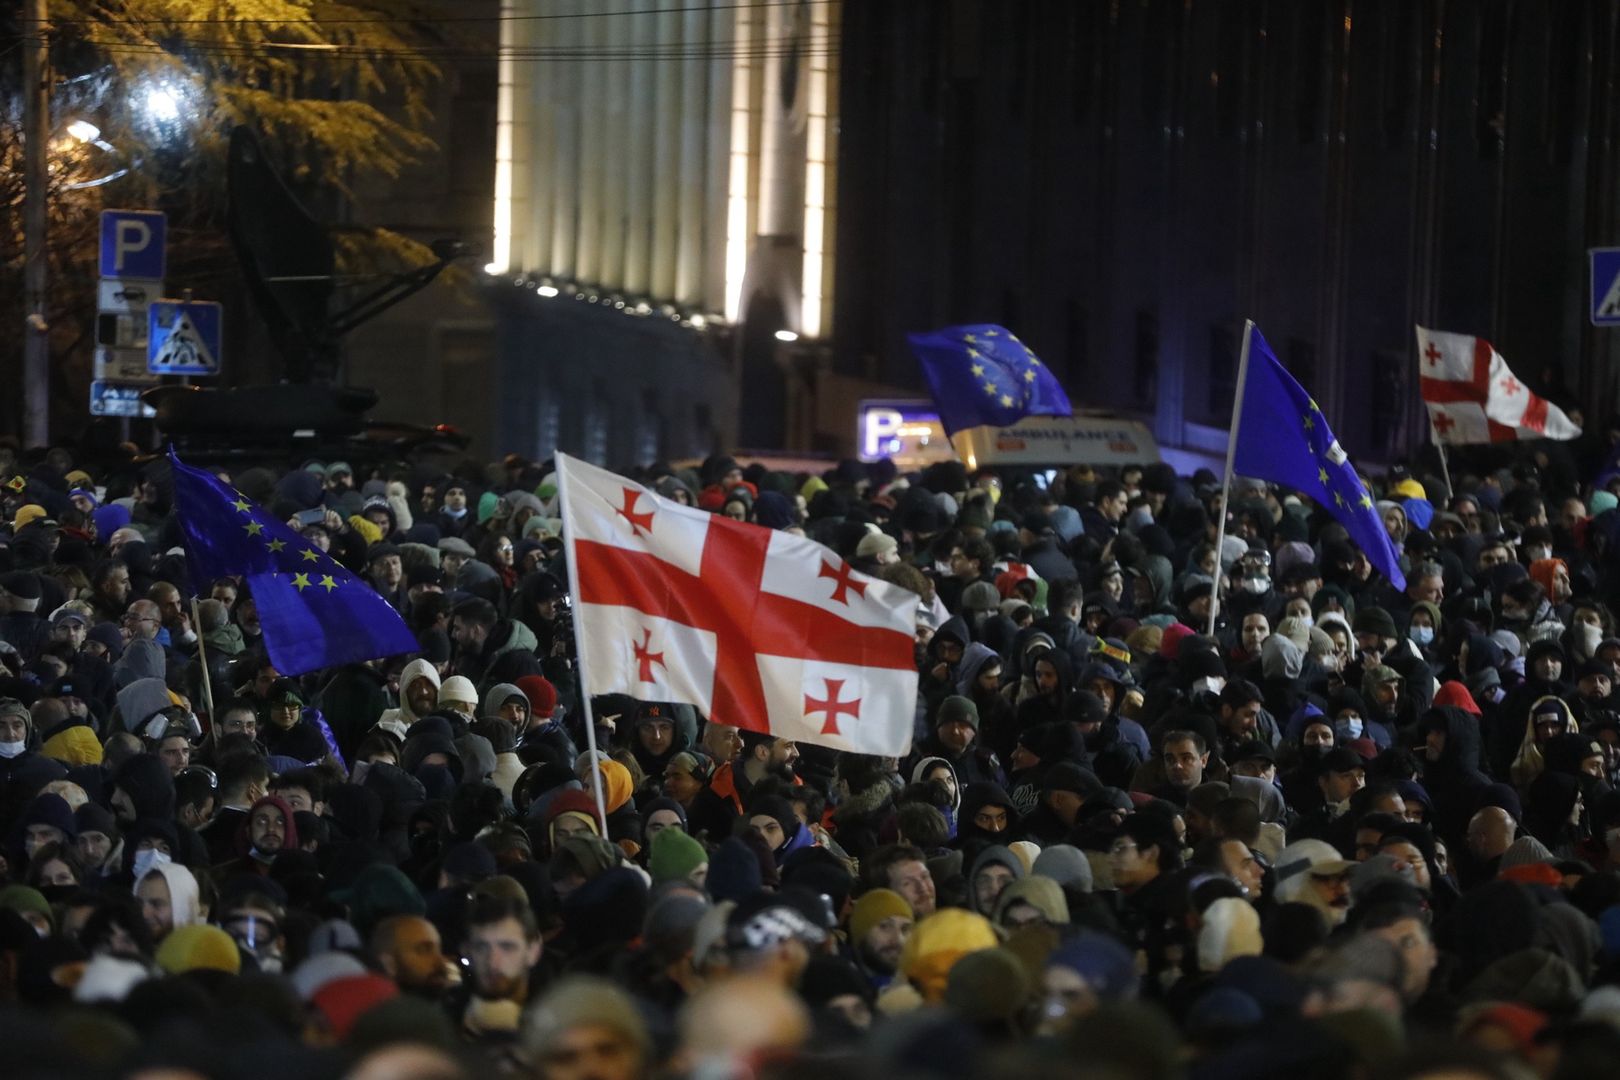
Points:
(1285, 438)
(305, 628)
(983, 375)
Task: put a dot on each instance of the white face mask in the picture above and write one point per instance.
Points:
(1348, 727)
(1422, 634)
(1308, 619)
(1256, 585)
(145, 860)
(1537, 554)
(12, 749)
(1587, 639)
(1214, 684)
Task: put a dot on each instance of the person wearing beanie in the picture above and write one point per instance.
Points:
(937, 944)
(990, 989)
(584, 1019)
(675, 856)
(879, 924)
(1031, 901)
(877, 548)
(199, 947)
(458, 693)
(834, 987)
(773, 820)
(955, 738)
(340, 1003)
(734, 872)
(541, 730)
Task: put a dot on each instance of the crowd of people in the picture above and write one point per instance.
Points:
(1335, 829)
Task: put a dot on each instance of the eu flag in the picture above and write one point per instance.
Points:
(1283, 437)
(314, 613)
(983, 375)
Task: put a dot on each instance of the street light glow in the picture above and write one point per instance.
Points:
(84, 131)
(786, 335)
(162, 104)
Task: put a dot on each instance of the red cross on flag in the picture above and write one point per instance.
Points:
(756, 628)
(1472, 397)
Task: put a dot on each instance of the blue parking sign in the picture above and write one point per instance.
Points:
(133, 243)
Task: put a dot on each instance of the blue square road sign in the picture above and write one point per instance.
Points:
(133, 243)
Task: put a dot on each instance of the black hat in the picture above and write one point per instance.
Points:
(1067, 776)
(1594, 666)
(21, 583)
(1375, 620)
(380, 550)
(424, 574)
(1083, 707)
(547, 587)
(1342, 760)
(1253, 750)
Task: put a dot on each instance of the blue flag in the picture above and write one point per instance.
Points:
(983, 375)
(314, 613)
(1283, 437)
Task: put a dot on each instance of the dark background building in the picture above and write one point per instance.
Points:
(1124, 182)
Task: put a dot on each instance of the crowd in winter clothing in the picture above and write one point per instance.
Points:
(1335, 828)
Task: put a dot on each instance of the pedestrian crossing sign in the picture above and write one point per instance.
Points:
(1605, 286)
(183, 337)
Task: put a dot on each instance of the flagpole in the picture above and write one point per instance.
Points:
(202, 661)
(1440, 448)
(579, 654)
(1226, 481)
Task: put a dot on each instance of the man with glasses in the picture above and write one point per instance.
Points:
(142, 622)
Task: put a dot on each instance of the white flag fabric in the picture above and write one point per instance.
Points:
(757, 628)
(1473, 397)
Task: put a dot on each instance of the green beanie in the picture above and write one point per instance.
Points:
(956, 708)
(674, 856)
(487, 502)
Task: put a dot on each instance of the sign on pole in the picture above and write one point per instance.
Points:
(1605, 286)
(133, 243)
(183, 337)
(133, 257)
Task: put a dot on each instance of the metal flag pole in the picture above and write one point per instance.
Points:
(1440, 448)
(202, 661)
(1226, 481)
(560, 460)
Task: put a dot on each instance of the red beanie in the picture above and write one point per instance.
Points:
(541, 694)
(1456, 695)
(1170, 643)
(344, 1001)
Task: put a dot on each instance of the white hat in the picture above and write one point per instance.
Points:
(460, 689)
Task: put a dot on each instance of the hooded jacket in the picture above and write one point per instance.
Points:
(1454, 782)
(997, 723)
(1529, 763)
(992, 855)
(398, 721)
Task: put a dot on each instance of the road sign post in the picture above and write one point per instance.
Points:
(133, 258)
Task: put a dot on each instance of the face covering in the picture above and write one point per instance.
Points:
(145, 860)
(1254, 586)
(12, 749)
(456, 514)
(1348, 727)
(1314, 753)
(1422, 635)
(1587, 639)
(1308, 619)
(1214, 684)
(1537, 554)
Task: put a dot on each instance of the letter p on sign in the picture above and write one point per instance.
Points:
(133, 244)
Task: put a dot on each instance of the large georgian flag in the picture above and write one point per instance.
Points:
(756, 628)
(1472, 397)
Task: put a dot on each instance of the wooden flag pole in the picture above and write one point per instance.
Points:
(202, 661)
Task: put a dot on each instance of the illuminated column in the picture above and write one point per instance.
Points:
(620, 31)
(694, 125)
(781, 151)
(717, 161)
(820, 166)
(667, 159)
(542, 192)
(638, 194)
(500, 255)
(592, 149)
(564, 178)
(739, 169)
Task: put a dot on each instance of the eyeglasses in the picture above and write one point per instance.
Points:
(1122, 846)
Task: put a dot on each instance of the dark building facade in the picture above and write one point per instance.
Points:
(1123, 182)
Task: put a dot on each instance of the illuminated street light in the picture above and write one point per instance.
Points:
(162, 104)
(786, 335)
